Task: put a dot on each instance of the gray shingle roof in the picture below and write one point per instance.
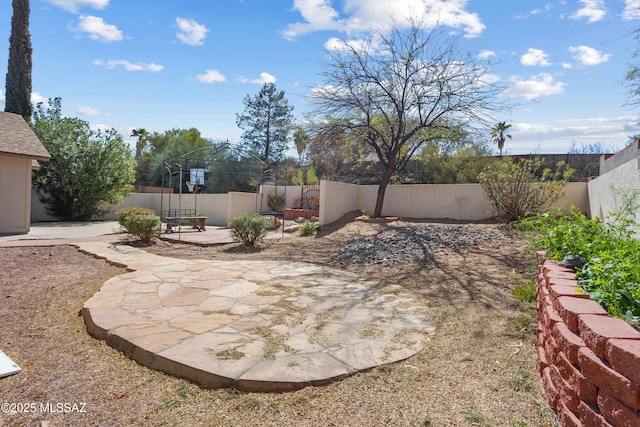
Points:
(17, 138)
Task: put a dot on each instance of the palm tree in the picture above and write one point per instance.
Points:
(141, 175)
(498, 135)
(141, 134)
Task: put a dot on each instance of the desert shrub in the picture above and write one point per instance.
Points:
(140, 222)
(522, 189)
(308, 228)
(125, 213)
(249, 229)
(276, 201)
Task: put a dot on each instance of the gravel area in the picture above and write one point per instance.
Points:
(415, 244)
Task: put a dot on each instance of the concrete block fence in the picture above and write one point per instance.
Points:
(589, 362)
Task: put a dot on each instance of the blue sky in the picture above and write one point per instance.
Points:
(166, 64)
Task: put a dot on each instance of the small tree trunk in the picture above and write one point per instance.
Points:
(382, 188)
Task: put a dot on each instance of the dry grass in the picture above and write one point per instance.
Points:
(479, 368)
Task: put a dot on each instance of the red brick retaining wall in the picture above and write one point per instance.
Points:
(589, 363)
(300, 213)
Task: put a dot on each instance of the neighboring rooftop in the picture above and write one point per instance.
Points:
(17, 138)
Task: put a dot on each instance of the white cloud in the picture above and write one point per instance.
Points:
(2, 95)
(547, 7)
(211, 76)
(489, 79)
(97, 29)
(36, 98)
(190, 32)
(486, 54)
(89, 111)
(588, 56)
(362, 15)
(631, 10)
(338, 45)
(535, 57)
(129, 66)
(318, 16)
(99, 127)
(542, 84)
(74, 5)
(558, 135)
(264, 78)
(592, 10)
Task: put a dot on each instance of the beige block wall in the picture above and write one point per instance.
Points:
(606, 191)
(452, 201)
(15, 195)
(575, 194)
(337, 199)
(464, 202)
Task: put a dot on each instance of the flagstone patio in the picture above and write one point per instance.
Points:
(252, 325)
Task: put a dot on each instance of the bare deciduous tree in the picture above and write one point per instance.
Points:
(395, 90)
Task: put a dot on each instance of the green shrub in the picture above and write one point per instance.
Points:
(140, 222)
(523, 189)
(610, 275)
(125, 213)
(308, 228)
(249, 229)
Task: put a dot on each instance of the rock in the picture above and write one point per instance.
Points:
(403, 245)
(292, 228)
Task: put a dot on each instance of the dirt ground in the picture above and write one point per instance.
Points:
(479, 369)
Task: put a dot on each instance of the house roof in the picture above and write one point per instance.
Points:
(17, 138)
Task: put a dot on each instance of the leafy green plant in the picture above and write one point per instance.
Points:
(140, 222)
(88, 171)
(312, 177)
(610, 275)
(523, 189)
(249, 229)
(308, 228)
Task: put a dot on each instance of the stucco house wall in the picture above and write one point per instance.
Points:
(15, 194)
(20, 149)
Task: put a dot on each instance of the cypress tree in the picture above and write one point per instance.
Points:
(18, 84)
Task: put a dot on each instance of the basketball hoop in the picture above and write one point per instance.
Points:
(190, 186)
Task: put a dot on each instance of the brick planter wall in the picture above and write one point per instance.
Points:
(300, 213)
(589, 362)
